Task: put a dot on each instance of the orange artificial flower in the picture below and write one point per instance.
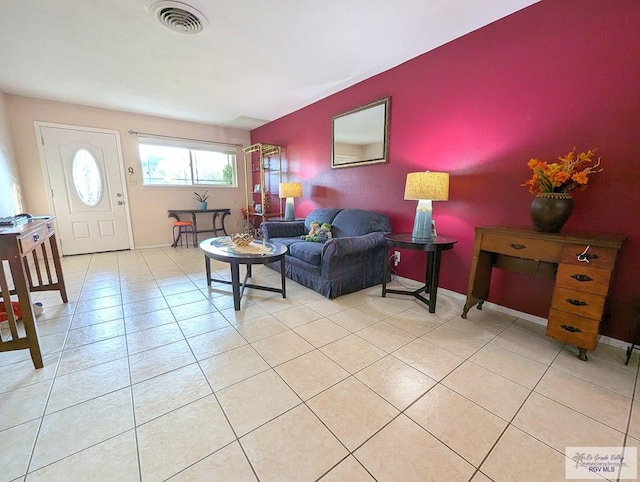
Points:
(569, 173)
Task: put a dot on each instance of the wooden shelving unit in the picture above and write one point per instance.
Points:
(263, 174)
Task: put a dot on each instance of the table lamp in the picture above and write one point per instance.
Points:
(425, 187)
(290, 190)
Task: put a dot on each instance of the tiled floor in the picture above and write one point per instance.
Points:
(149, 375)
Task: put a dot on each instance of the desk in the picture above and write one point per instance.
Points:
(174, 213)
(16, 244)
(434, 248)
(582, 265)
(258, 252)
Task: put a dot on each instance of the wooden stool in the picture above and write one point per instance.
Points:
(184, 228)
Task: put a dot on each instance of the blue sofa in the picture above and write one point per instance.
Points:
(352, 260)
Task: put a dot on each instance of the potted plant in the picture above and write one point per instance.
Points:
(552, 183)
(202, 199)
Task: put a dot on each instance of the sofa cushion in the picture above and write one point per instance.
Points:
(324, 215)
(308, 252)
(357, 222)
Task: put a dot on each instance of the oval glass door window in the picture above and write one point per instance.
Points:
(87, 178)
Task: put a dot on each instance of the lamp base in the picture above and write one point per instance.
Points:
(289, 212)
(422, 224)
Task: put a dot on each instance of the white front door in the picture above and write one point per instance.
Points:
(84, 173)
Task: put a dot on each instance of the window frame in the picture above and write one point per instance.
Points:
(191, 146)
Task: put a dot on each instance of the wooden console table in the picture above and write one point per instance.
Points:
(16, 246)
(174, 213)
(581, 264)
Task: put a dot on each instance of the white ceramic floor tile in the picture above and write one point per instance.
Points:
(23, 404)
(159, 360)
(311, 373)
(177, 440)
(153, 337)
(297, 316)
(489, 390)
(405, 451)
(256, 400)
(395, 381)
(232, 366)
(259, 328)
(114, 459)
(145, 321)
(341, 409)
(321, 332)
(596, 402)
(518, 456)
(159, 395)
(385, 336)
(79, 427)
(428, 358)
(82, 385)
(93, 354)
(16, 445)
(93, 333)
(282, 347)
(228, 463)
(202, 324)
(214, 342)
(548, 421)
(439, 411)
(516, 368)
(295, 446)
(348, 470)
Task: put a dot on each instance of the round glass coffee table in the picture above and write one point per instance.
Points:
(257, 252)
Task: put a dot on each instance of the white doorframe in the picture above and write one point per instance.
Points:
(45, 171)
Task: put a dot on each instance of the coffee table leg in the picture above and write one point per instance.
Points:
(283, 277)
(207, 267)
(235, 283)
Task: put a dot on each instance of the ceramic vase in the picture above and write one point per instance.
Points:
(549, 211)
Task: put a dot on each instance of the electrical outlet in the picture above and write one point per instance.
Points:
(396, 258)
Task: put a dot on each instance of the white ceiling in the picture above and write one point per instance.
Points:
(256, 61)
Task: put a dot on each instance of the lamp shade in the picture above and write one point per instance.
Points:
(290, 189)
(427, 185)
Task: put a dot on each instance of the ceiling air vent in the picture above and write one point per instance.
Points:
(179, 17)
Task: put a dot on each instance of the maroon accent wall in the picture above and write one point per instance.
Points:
(537, 83)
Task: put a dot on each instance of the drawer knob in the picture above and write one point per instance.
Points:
(581, 277)
(571, 329)
(575, 302)
(517, 246)
(36, 238)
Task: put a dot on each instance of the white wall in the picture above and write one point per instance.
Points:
(148, 206)
(10, 194)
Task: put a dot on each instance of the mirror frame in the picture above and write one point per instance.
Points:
(386, 102)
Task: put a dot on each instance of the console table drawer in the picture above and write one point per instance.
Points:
(583, 278)
(589, 305)
(522, 247)
(32, 239)
(591, 256)
(572, 329)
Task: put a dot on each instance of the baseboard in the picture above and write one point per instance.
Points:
(519, 314)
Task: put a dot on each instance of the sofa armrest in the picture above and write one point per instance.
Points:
(341, 247)
(282, 229)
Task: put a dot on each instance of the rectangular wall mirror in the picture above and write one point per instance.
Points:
(361, 136)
